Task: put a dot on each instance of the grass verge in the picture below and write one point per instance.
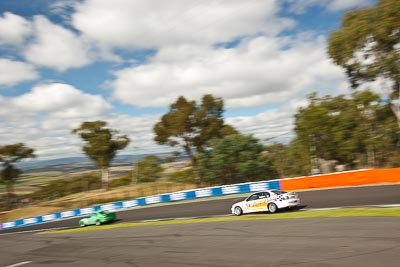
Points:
(94, 197)
(341, 212)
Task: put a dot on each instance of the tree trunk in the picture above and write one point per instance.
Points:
(10, 195)
(395, 102)
(395, 105)
(189, 152)
(104, 178)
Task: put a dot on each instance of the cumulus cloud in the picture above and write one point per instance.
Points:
(300, 7)
(61, 100)
(258, 72)
(232, 49)
(154, 23)
(51, 136)
(56, 47)
(272, 125)
(14, 29)
(140, 131)
(13, 72)
(349, 4)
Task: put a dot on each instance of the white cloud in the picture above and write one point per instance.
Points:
(300, 7)
(56, 47)
(262, 69)
(62, 101)
(13, 72)
(48, 136)
(272, 125)
(154, 23)
(51, 136)
(14, 29)
(338, 5)
(140, 131)
(258, 72)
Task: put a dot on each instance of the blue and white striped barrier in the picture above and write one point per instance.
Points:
(145, 201)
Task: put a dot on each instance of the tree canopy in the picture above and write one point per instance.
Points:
(347, 130)
(15, 152)
(367, 45)
(190, 126)
(148, 170)
(102, 144)
(9, 154)
(232, 159)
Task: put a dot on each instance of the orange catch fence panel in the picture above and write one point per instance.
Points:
(350, 178)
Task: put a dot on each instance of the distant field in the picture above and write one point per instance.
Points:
(28, 183)
(89, 198)
(32, 181)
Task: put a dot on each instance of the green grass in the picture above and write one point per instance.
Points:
(343, 212)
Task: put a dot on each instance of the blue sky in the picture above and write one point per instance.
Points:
(125, 61)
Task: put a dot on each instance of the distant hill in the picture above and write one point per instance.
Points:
(78, 163)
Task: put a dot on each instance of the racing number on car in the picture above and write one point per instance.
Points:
(259, 204)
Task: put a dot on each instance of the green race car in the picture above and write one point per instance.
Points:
(97, 218)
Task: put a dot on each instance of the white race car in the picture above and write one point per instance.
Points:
(270, 200)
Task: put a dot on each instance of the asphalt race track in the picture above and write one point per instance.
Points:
(353, 196)
(322, 242)
(326, 242)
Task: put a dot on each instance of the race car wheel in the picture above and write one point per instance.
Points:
(98, 223)
(82, 224)
(237, 211)
(272, 208)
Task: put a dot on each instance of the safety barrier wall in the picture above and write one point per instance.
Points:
(350, 178)
(144, 201)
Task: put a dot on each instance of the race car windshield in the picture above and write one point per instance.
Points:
(278, 192)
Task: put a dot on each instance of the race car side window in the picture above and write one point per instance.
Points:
(265, 195)
(253, 197)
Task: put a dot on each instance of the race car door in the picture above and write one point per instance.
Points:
(258, 202)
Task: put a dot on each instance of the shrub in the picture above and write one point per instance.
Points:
(122, 181)
(184, 176)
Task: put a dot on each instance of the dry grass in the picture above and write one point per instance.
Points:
(89, 198)
(28, 212)
(32, 182)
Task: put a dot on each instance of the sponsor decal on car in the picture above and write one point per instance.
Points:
(259, 203)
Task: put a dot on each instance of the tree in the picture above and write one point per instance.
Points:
(297, 159)
(190, 126)
(149, 169)
(352, 131)
(101, 146)
(232, 159)
(274, 154)
(10, 154)
(368, 46)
